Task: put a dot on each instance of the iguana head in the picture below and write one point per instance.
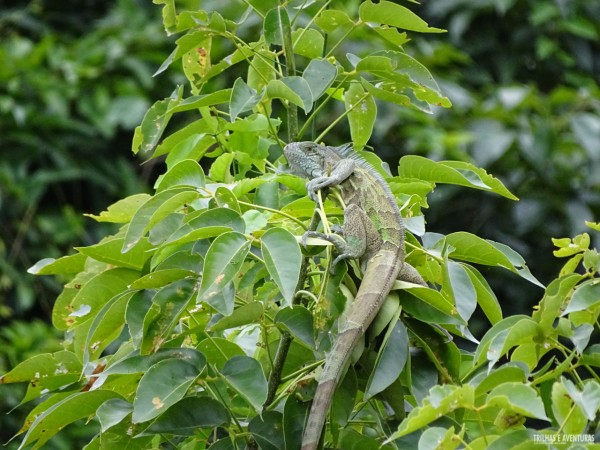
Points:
(305, 159)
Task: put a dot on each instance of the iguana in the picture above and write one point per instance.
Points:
(373, 232)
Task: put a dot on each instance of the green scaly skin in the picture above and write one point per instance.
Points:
(373, 232)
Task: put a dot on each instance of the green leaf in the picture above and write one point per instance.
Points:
(298, 321)
(106, 326)
(438, 438)
(485, 381)
(308, 42)
(246, 377)
(218, 351)
(451, 172)
(261, 70)
(160, 278)
(47, 371)
(74, 407)
(282, 258)
(223, 261)
(200, 101)
(244, 315)
(472, 248)
(292, 89)
(460, 288)
(243, 99)
(186, 416)
(276, 24)
(390, 360)
(95, 293)
(154, 124)
(517, 397)
(121, 211)
(320, 75)
(209, 223)
(295, 413)
(588, 399)
(112, 412)
(267, 430)
(186, 172)
(331, 20)
(485, 296)
(442, 399)
(108, 250)
(389, 13)
(61, 266)
(569, 416)
(585, 297)
(154, 210)
(163, 385)
(507, 333)
(362, 112)
(136, 363)
(172, 300)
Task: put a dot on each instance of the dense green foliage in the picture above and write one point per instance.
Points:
(184, 309)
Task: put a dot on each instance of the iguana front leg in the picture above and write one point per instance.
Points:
(359, 238)
(332, 177)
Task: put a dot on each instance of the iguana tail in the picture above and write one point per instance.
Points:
(378, 279)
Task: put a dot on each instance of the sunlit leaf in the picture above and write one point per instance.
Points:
(283, 258)
(163, 385)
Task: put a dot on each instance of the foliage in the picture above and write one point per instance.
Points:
(523, 79)
(201, 321)
(68, 89)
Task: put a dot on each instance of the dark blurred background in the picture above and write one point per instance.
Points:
(76, 78)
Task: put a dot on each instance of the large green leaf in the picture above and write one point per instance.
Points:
(390, 360)
(451, 172)
(218, 351)
(136, 363)
(442, 399)
(275, 26)
(517, 397)
(163, 385)
(245, 375)
(154, 124)
(243, 99)
(283, 258)
(223, 261)
(186, 416)
(295, 90)
(186, 172)
(94, 294)
(74, 407)
(504, 335)
(469, 247)
(244, 315)
(109, 251)
(308, 42)
(320, 75)
(298, 321)
(154, 210)
(45, 372)
(171, 301)
(585, 297)
(267, 430)
(388, 13)
(460, 289)
(362, 112)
